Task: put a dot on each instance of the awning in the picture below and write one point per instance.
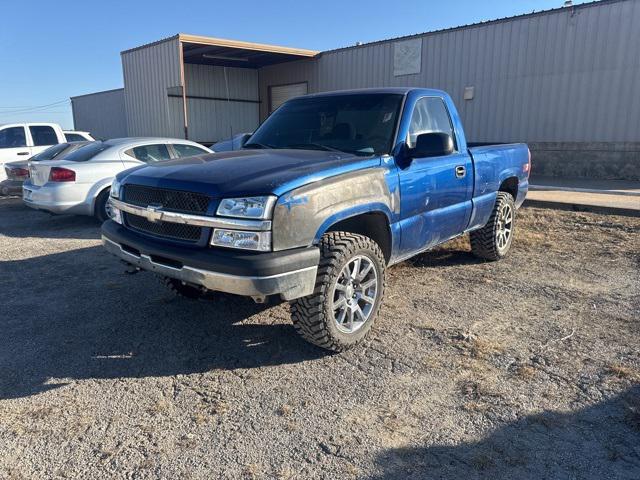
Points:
(234, 53)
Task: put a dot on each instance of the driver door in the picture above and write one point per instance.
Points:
(435, 191)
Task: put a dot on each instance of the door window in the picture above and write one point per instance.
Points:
(12, 137)
(43, 135)
(429, 116)
(150, 153)
(188, 150)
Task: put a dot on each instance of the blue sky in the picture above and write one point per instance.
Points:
(50, 51)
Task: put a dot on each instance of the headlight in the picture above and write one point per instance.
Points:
(115, 188)
(247, 207)
(260, 241)
(115, 213)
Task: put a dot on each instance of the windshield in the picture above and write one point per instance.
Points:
(362, 124)
(87, 152)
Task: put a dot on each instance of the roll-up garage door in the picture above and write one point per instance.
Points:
(278, 94)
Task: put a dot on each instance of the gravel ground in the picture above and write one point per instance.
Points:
(527, 368)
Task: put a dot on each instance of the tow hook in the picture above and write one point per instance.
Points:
(130, 269)
(259, 298)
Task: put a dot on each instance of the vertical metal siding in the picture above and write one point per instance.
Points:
(213, 120)
(561, 76)
(101, 113)
(148, 73)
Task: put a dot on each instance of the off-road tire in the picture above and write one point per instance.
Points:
(312, 316)
(484, 242)
(100, 211)
(178, 288)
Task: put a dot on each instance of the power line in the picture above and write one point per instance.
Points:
(14, 109)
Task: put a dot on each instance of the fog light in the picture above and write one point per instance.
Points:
(260, 241)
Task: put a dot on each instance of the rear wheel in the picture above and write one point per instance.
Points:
(349, 290)
(103, 209)
(493, 241)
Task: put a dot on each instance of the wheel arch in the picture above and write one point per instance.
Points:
(510, 185)
(372, 223)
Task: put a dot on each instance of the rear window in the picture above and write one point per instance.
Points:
(87, 152)
(43, 135)
(50, 153)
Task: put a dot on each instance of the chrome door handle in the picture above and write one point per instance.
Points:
(460, 171)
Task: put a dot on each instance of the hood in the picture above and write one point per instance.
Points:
(246, 172)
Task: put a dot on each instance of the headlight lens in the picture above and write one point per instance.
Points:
(115, 188)
(259, 241)
(116, 214)
(247, 207)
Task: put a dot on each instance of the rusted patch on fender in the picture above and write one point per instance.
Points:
(300, 213)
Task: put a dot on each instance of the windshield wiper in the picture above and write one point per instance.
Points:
(256, 145)
(316, 146)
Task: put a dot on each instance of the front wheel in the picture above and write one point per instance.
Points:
(349, 289)
(493, 241)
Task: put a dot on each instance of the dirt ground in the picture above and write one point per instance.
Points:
(527, 368)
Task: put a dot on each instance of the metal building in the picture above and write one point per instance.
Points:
(562, 80)
(101, 113)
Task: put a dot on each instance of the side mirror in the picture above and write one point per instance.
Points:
(432, 145)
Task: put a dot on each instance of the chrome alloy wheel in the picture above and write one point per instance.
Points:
(505, 227)
(354, 294)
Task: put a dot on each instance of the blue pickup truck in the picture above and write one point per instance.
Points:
(321, 199)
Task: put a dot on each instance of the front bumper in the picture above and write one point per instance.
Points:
(290, 274)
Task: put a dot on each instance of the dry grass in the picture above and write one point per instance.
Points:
(481, 348)
(285, 410)
(253, 470)
(475, 407)
(622, 371)
(159, 407)
(526, 372)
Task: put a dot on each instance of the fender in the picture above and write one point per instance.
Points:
(96, 189)
(304, 214)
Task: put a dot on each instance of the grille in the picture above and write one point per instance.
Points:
(174, 200)
(177, 231)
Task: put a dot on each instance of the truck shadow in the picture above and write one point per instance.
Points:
(76, 315)
(597, 442)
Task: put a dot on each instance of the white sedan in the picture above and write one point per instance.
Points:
(79, 184)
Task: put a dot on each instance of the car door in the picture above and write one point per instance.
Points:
(435, 191)
(13, 146)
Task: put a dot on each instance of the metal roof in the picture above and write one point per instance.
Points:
(234, 53)
(595, 3)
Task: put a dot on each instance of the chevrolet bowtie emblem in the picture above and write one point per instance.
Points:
(154, 212)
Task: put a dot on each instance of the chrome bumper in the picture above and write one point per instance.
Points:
(289, 285)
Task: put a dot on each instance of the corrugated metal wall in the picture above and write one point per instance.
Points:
(562, 76)
(101, 113)
(211, 119)
(150, 73)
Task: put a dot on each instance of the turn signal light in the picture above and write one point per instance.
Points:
(59, 174)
